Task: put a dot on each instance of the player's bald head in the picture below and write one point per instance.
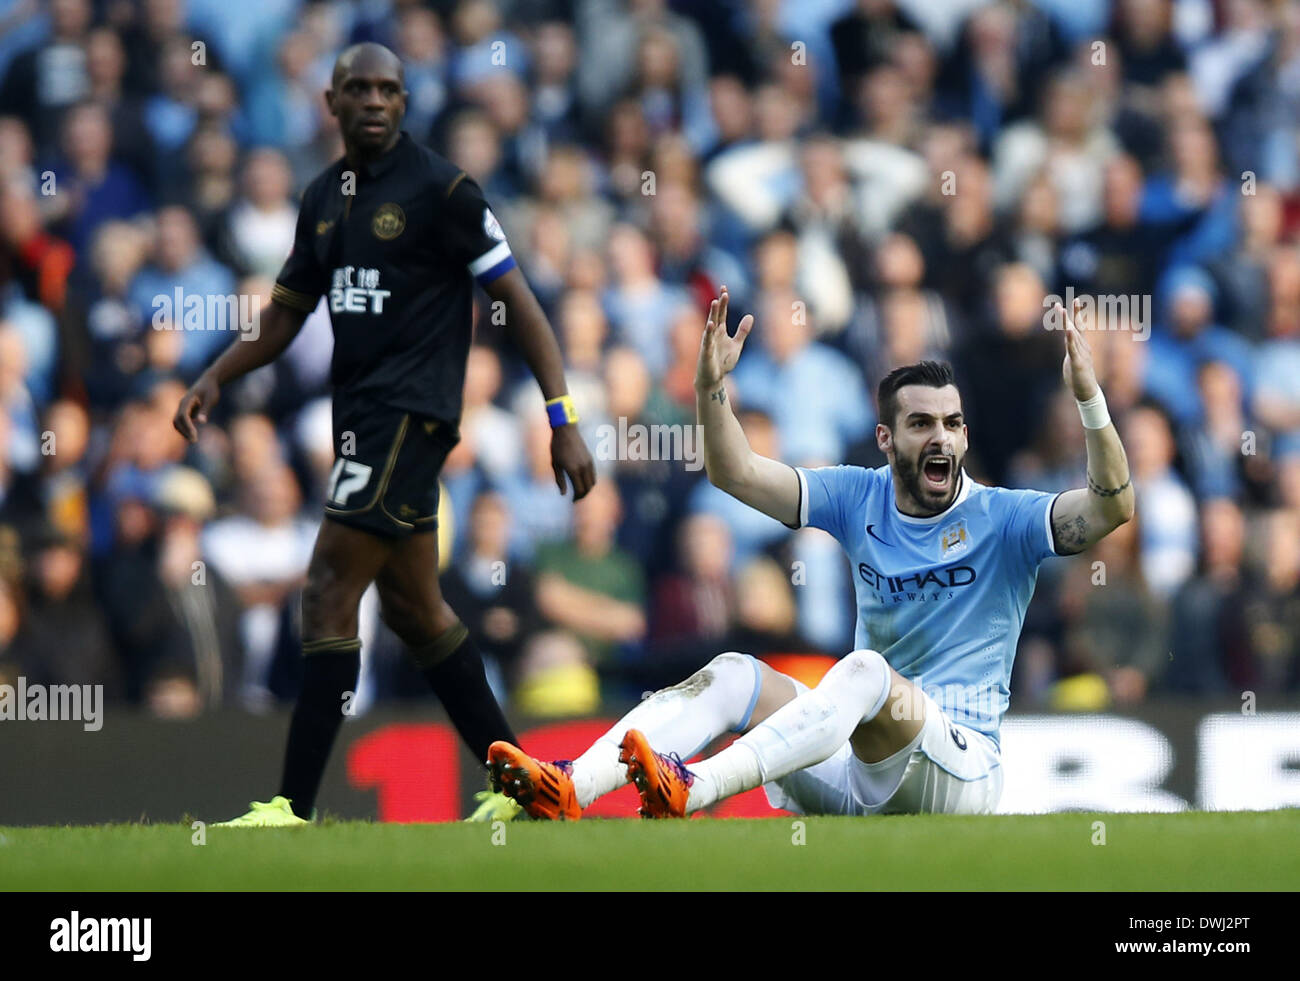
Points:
(367, 58)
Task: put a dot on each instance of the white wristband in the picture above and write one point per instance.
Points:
(1093, 412)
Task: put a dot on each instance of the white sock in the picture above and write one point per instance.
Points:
(683, 719)
(733, 771)
(801, 733)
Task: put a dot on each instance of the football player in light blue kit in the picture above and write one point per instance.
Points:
(944, 569)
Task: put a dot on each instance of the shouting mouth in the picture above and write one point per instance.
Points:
(937, 472)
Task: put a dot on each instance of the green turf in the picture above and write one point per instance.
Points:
(1237, 851)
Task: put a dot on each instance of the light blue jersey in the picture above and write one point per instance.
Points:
(942, 598)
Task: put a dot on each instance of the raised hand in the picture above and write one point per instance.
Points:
(719, 352)
(1077, 368)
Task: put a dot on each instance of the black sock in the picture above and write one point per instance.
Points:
(330, 668)
(459, 681)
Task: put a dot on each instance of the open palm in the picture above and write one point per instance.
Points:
(719, 352)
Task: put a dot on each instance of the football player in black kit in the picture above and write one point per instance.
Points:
(396, 237)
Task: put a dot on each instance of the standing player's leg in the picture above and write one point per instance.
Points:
(343, 563)
(732, 693)
(861, 701)
(411, 604)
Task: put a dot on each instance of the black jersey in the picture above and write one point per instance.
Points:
(396, 246)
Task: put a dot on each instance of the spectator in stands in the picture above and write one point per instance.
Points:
(657, 468)
(420, 44)
(1277, 359)
(814, 394)
(180, 262)
(901, 322)
(1052, 461)
(106, 67)
(554, 74)
(960, 239)
(1145, 40)
(686, 258)
(1035, 236)
(541, 515)
(262, 551)
(493, 595)
(260, 225)
(154, 26)
(64, 638)
(1168, 526)
(24, 450)
(91, 186)
(497, 435)
(1115, 627)
(1272, 609)
(1067, 144)
(210, 188)
(113, 327)
(1008, 378)
(638, 304)
(867, 36)
(556, 677)
(696, 601)
(37, 261)
(1208, 637)
(44, 82)
(829, 214)
(1188, 338)
(17, 155)
(590, 586)
(287, 110)
(21, 507)
(1117, 255)
(1243, 274)
(752, 532)
(1216, 444)
(64, 473)
(1193, 200)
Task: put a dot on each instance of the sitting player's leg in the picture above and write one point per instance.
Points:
(732, 693)
(861, 701)
(343, 564)
(411, 604)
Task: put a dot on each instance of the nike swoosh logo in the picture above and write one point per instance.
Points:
(877, 537)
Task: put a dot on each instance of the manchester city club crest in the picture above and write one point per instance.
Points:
(954, 539)
(389, 222)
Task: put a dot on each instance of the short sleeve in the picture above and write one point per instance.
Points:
(471, 233)
(302, 280)
(1027, 522)
(828, 495)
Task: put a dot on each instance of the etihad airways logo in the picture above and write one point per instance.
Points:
(900, 587)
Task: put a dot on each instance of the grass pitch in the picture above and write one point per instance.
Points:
(1189, 851)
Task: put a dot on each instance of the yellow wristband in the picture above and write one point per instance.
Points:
(561, 411)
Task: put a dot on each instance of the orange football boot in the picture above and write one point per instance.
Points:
(544, 790)
(662, 781)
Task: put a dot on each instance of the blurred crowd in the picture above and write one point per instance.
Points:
(876, 180)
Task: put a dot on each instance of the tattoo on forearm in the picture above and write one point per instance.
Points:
(1100, 491)
(1071, 534)
(720, 396)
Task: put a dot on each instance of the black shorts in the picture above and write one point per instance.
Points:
(387, 460)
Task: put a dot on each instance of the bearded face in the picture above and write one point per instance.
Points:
(926, 447)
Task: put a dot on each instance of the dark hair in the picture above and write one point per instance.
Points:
(935, 374)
